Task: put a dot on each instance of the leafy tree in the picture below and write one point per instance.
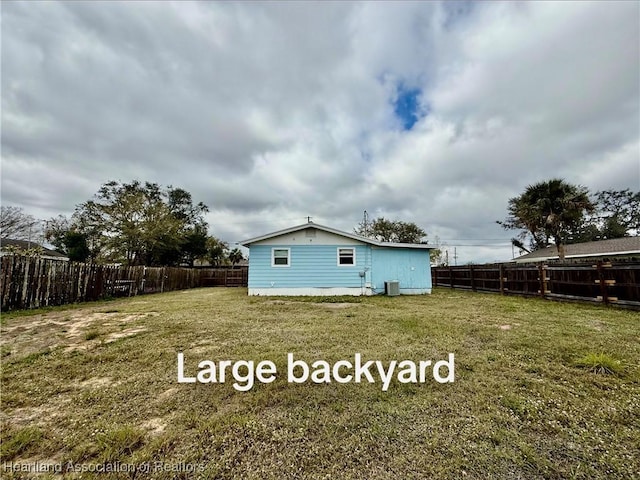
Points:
(217, 251)
(398, 231)
(617, 215)
(67, 239)
(548, 211)
(139, 223)
(437, 255)
(55, 231)
(385, 230)
(69, 236)
(235, 256)
(621, 208)
(195, 245)
(76, 247)
(16, 224)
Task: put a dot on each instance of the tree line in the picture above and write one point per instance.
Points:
(560, 213)
(145, 224)
(132, 224)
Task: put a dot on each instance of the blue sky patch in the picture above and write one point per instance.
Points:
(406, 106)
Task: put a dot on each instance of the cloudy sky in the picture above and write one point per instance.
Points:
(269, 112)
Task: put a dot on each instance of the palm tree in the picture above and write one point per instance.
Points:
(235, 256)
(549, 210)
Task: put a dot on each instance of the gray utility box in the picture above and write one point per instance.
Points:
(392, 288)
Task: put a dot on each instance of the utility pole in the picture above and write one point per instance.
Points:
(455, 255)
(365, 220)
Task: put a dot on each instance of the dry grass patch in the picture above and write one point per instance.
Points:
(98, 382)
(78, 329)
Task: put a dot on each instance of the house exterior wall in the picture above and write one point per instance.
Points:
(313, 270)
(410, 267)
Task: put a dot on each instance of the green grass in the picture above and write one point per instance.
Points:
(530, 398)
(20, 441)
(601, 363)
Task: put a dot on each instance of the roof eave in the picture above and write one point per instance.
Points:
(353, 236)
(583, 255)
(419, 246)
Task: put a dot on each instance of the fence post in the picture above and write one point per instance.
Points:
(541, 279)
(450, 277)
(603, 284)
(473, 280)
(501, 273)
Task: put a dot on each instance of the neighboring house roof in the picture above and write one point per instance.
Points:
(602, 248)
(324, 228)
(26, 245)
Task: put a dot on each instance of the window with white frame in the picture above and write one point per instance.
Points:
(280, 257)
(346, 257)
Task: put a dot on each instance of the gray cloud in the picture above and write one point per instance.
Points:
(269, 112)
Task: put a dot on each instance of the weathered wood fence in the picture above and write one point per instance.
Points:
(602, 282)
(226, 277)
(31, 282)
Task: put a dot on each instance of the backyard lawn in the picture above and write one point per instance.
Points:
(541, 390)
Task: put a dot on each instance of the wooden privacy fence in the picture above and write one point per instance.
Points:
(31, 282)
(226, 277)
(602, 282)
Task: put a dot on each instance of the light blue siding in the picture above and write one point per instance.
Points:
(309, 266)
(409, 266)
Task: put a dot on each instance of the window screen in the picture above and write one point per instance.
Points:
(346, 256)
(281, 257)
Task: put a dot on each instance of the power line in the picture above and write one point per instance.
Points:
(479, 239)
(475, 244)
(258, 221)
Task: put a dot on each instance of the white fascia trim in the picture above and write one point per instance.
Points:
(353, 236)
(608, 254)
(417, 246)
(304, 226)
(586, 255)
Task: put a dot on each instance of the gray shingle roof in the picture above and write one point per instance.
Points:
(25, 245)
(335, 231)
(602, 248)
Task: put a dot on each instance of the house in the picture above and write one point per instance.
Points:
(312, 259)
(9, 246)
(625, 247)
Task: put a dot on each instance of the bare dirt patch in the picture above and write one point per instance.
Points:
(328, 305)
(128, 332)
(80, 329)
(168, 393)
(155, 426)
(98, 382)
(336, 306)
(45, 414)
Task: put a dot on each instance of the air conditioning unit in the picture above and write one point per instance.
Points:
(392, 288)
